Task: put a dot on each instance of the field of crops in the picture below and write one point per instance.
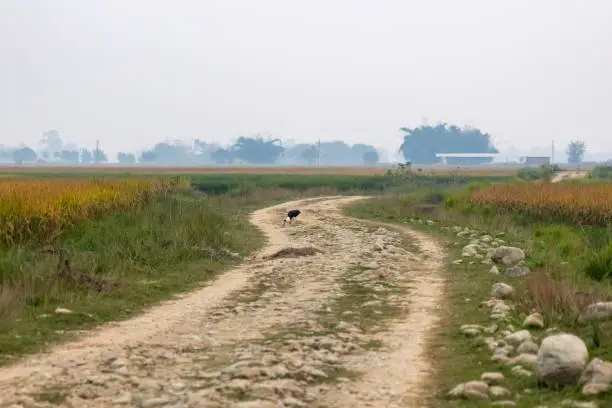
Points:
(580, 204)
(40, 210)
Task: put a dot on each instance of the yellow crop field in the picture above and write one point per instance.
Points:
(582, 204)
(41, 209)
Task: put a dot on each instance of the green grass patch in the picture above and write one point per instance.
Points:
(116, 266)
(113, 267)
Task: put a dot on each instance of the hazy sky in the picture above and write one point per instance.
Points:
(135, 72)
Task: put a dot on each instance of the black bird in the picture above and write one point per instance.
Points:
(291, 215)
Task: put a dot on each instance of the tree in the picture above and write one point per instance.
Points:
(99, 156)
(222, 156)
(172, 153)
(422, 143)
(24, 154)
(257, 150)
(203, 151)
(575, 151)
(86, 156)
(6, 153)
(69, 156)
(310, 154)
(126, 158)
(51, 142)
(148, 157)
(370, 158)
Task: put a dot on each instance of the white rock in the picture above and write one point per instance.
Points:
(470, 390)
(494, 270)
(596, 377)
(534, 320)
(517, 270)
(469, 250)
(507, 255)
(599, 311)
(497, 392)
(518, 337)
(527, 347)
(520, 371)
(561, 359)
(471, 329)
(492, 378)
(61, 310)
(502, 291)
(526, 360)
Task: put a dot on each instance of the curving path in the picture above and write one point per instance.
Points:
(341, 323)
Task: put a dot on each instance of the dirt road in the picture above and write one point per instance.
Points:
(333, 312)
(564, 175)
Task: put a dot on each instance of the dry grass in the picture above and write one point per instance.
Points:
(556, 299)
(9, 303)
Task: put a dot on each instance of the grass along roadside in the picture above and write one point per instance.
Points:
(114, 267)
(556, 287)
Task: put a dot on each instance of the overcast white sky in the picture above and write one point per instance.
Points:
(134, 72)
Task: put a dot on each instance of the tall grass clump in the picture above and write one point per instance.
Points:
(112, 266)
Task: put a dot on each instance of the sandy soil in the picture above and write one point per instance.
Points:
(338, 319)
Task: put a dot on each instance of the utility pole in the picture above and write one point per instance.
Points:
(318, 151)
(97, 151)
(552, 156)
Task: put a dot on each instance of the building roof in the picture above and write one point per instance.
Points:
(468, 154)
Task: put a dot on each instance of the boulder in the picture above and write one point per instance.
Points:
(596, 312)
(596, 377)
(507, 255)
(492, 378)
(561, 360)
(534, 320)
(527, 347)
(517, 271)
(524, 360)
(501, 291)
(519, 337)
(469, 250)
(497, 391)
(470, 390)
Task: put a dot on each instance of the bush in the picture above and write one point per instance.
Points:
(599, 267)
(544, 172)
(434, 197)
(602, 172)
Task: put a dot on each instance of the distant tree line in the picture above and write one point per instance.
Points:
(248, 150)
(420, 146)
